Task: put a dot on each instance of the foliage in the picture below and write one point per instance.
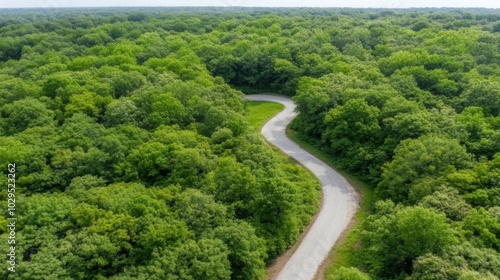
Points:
(348, 274)
(395, 239)
(135, 159)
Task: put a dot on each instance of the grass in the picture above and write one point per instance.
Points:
(260, 111)
(345, 253)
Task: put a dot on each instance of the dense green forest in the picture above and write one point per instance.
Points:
(135, 159)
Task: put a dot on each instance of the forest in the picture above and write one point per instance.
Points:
(135, 158)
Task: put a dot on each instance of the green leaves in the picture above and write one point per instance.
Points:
(234, 185)
(350, 273)
(150, 161)
(351, 131)
(166, 109)
(246, 251)
(431, 267)
(199, 211)
(86, 103)
(414, 159)
(482, 228)
(448, 201)
(205, 259)
(26, 113)
(120, 119)
(122, 111)
(355, 120)
(484, 94)
(394, 240)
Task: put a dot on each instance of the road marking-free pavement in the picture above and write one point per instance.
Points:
(340, 200)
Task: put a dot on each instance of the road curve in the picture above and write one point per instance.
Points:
(340, 200)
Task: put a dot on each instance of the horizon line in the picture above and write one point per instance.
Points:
(277, 7)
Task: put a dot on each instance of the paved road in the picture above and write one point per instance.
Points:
(340, 200)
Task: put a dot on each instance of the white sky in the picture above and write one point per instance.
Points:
(253, 3)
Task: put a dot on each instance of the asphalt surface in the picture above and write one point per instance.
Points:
(340, 200)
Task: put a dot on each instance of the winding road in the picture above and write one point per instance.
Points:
(340, 200)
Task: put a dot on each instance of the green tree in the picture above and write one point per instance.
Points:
(448, 201)
(203, 259)
(482, 260)
(148, 162)
(246, 251)
(352, 132)
(199, 211)
(86, 103)
(431, 267)
(26, 113)
(414, 159)
(482, 229)
(393, 241)
(355, 121)
(484, 94)
(166, 109)
(234, 184)
(122, 111)
(312, 103)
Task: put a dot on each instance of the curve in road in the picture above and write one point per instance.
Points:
(340, 200)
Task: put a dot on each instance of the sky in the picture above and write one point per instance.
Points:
(252, 3)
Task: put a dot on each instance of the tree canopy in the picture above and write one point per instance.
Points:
(135, 159)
